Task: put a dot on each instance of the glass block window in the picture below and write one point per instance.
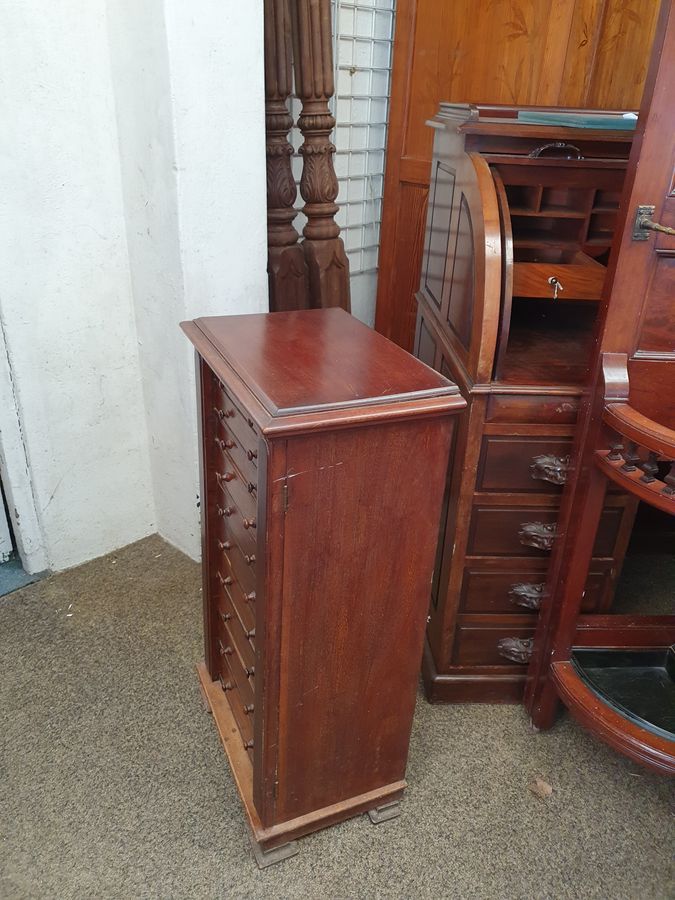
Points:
(363, 33)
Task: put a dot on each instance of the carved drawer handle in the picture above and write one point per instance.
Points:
(516, 649)
(252, 454)
(527, 595)
(249, 523)
(539, 535)
(225, 685)
(548, 467)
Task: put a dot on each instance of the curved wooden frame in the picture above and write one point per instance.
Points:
(598, 717)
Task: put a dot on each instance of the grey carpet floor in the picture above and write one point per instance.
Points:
(113, 783)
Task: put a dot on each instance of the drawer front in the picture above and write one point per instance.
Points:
(535, 410)
(575, 282)
(244, 603)
(244, 640)
(235, 419)
(229, 653)
(234, 525)
(478, 644)
(232, 448)
(524, 464)
(244, 493)
(521, 590)
(242, 709)
(530, 531)
(241, 566)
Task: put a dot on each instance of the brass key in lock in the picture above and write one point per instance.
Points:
(556, 285)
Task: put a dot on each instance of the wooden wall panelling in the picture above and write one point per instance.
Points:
(531, 52)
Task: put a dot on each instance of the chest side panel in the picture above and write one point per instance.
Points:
(362, 517)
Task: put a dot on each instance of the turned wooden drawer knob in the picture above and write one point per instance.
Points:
(224, 651)
(226, 580)
(252, 454)
(223, 413)
(248, 745)
(248, 709)
(225, 445)
(225, 545)
(250, 672)
(250, 597)
(249, 523)
(225, 685)
(226, 476)
(250, 558)
(225, 616)
(225, 512)
(250, 634)
(252, 487)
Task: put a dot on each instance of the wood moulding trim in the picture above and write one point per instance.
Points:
(598, 717)
(242, 772)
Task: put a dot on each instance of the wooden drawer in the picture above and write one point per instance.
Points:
(242, 709)
(523, 464)
(244, 493)
(244, 602)
(230, 414)
(477, 639)
(230, 445)
(232, 524)
(244, 638)
(519, 590)
(530, 531)
(228, 652)
(582, 278)
(241, 566)
(543, 409)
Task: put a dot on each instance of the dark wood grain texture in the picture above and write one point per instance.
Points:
(625, 425)
(499, 232)
(574, 53)
(325, 452)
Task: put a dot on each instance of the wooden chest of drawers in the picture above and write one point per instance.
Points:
(324, 453)
(518, 233)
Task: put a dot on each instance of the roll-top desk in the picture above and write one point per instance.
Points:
(324, 453)
(520, 222)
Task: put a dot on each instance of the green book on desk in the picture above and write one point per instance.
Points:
(580, 120)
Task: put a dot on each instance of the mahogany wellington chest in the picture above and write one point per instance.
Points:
(324, 452)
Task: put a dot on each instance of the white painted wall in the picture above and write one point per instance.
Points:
(133, 196)
(190, 112)
(65, 295)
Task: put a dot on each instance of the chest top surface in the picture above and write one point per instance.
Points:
(309, 360)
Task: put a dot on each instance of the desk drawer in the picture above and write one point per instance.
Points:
(242, 709)
(524, 464)
(477, 643)
(530, 531)
(229, 413)
(243, 675)
(244, 493)
(232, 524)
(232, 448)
(546, 409)
(520, 590)
(581, 280)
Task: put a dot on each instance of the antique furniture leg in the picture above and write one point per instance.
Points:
(286, 266)
(313, 66)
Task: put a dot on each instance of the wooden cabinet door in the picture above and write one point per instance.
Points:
(591, 53)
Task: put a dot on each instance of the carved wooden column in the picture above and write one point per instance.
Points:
(313, 67)
(286, 266)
